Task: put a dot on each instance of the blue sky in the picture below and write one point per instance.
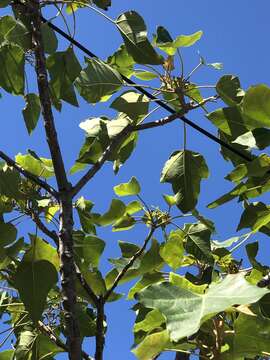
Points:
(236, 33)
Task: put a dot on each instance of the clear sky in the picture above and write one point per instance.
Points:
(236, 33)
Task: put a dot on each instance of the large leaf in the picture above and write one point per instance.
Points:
(9, 182)
(255, 216)
(39, 265)
(164, 41)
(198, 241)
(12, 69)
(185, 170)
(256, 105)
(116, 211)
(42, 167)
(127, 189)
(64, 68)
(229, 120)
(256, 168)
(122, 61)
(185, 310)
(152, 345)
(172, 252)
(133, 104)
(49, 39)
(252, 336)
(8, 234)
(134, 34)
(98, 81)
(229, 89)
(17, 33)
(31, 111)
(89, 249)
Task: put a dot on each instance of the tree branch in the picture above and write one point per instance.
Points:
(100, 339)
(129, 264)
(46, 330)
(29, 175)
(67, 264)
(113, 145)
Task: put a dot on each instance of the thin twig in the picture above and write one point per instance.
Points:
(129, 264)
(46, 330)
(29, 175)
(114, 144)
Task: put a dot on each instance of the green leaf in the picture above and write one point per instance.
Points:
(133, 104)
(116, 211)
(133, 30)
(103, 4)
(87, 320)
(256, 139)
(164, 41)
(9, 182)
(12, 69)
(257, 330)
(124, 223)
(229, 120)
(255, 216)
(88, 250)
(84, 208)
(3, 4)
(256, 168)
(208, 223)
(98, 81)
(128, 189)
(145, 75)
(42, 168)
(26, 340)
(64, 68)
(185, 310)
(252, 251)
(50, 41)
(185, 170)
(6, 354)
(235, 192)
(172, 252)
(18, 34)
(229, 89)
(198, 241)
(31, 112)
(152, 345)
(256, 106)
(38, 266)
(183, 283)
(152, 320)
(133, 207)
(122, 61)
(170, 199)
(146, 280)
(128, 249)
(8, 234)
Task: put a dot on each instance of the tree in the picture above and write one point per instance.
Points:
(54, 290)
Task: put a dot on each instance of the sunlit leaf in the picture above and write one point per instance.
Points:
(127, 189)
(152, 345)
(229, 89)
(185, 170)
(133, 30)
(185, 310)
(42, 168)
(98, 81)
(38, 266)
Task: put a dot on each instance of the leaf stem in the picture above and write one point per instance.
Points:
(129, 264)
